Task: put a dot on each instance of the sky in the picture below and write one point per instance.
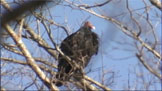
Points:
(110, 52)
(108, 33)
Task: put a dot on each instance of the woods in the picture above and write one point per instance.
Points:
(129, 49)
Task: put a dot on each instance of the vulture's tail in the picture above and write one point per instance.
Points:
(59, 77)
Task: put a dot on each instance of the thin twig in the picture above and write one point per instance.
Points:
(139, 56)
(31, 62)
(125, 29)
(96, 5)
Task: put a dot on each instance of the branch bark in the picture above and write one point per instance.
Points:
(157, 3)
(97, 83)
(139, 56)
(31, 62)
(124, 28)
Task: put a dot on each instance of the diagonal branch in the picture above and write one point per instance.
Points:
(52, 22)
(25, 63)
(157, 3)
(31, 62)
(97, 83)
(36, 38)
(85, 82)
(42, 43)
(96, 5)
(139, 56)
(124, 29)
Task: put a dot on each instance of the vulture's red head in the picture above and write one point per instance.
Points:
(89, 25)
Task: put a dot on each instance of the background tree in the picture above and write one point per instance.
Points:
(129, 54)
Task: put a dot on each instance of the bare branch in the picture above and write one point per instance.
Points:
(49, 33)
(18, 11)
(124, 28)
(50, 71)
(37, 38)
(96, 5)
(139, 56)
(143, 41)
(97, 83)
(157, 3)
(11, 48)
(131, 15)
(52, 22)
(42, 43)
(30, 60)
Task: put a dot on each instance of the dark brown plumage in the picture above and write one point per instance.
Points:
(80, 47)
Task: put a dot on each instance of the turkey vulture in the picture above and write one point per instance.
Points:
(80, 47)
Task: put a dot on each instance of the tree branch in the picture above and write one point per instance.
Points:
(124, 28)
(96, 5)
(139, 56)
(157, 3)
(97, 83)
(31, 62)
(19, 10)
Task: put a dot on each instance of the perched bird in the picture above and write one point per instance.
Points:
(80, 47)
